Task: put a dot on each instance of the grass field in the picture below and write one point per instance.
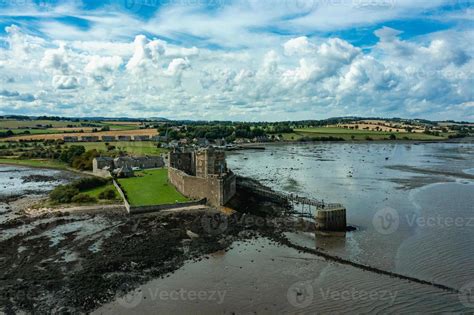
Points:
(132, 147)
(36, 163)
(11, 123)
(95, 192)
(358, 134)
(150, 187)
(33, 131)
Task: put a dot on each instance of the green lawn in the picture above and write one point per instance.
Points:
(36, 163)
(150, 187)
(132, 147)
(95, 192)
(359, 134)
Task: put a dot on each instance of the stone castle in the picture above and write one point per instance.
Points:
(202, 174)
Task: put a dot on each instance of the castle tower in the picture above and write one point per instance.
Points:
(210, 162)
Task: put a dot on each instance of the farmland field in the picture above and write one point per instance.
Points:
(33, 131)
(358, 134)
(150, 187)
(137, 132)
(14, 124)
(133, 147)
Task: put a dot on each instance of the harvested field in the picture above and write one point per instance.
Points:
(125, 123)
(75, 129)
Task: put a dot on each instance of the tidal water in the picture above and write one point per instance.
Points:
(413, 204)
(18, 183)
(413, 208)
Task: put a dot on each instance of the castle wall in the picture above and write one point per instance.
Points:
(183, 161)
(217, 190)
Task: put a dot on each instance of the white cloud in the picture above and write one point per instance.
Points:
(65, 82)
(277, 78)
(299, 45)
(56, 60)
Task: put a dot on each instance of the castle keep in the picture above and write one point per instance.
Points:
(202, 174)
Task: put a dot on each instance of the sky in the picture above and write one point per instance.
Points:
(251, 60)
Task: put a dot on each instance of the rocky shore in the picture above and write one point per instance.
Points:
(68, 262)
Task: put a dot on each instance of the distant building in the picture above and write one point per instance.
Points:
(260, 139)
(124, 138)
(106, 165)
(202, 142)
(124, 171)
(90, 138)
(102, 166)
(71, 139)
(158, 138)
(141, 138)
(220, 142)
(108, 138)
(173, 144)
(241, 140)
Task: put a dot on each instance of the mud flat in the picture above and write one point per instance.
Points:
(265, 277)
(75, 262)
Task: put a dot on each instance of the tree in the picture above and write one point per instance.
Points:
(84, 161)
(63, 193)
(71, 153)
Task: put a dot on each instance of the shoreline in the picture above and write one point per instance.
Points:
(401, 141)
